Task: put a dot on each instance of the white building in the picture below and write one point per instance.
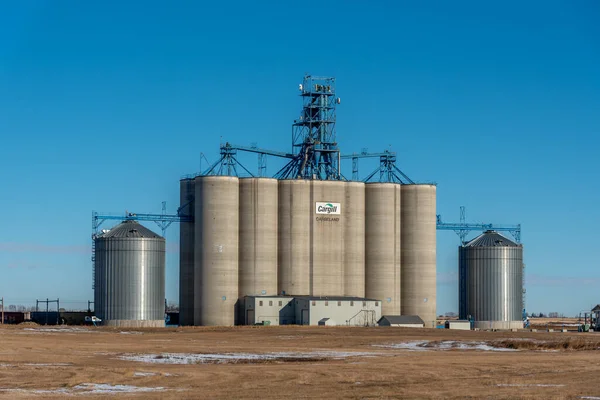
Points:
(277, 310)
(309, 310)
(459, 324)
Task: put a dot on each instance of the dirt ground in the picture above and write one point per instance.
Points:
(306, 362)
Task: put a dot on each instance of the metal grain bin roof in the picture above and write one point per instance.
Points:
(491, 239)
(130, 229)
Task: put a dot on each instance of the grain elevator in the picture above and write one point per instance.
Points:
(308, 231)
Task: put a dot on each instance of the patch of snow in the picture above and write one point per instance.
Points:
(425, 345)
(529, 385)
(6, 365)
(227, 358)
(144, 373)
(48, 364)
(484, 347)
(414, 345)
(59, 330)
(131, 333)
(590, 397)
(103, 388)
(36, 391)
(88, 388)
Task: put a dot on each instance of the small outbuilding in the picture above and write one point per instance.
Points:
(464, 325)
(402, 321)
(326, 322)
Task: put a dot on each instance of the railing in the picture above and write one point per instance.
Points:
(370, 313)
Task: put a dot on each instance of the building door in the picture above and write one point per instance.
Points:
(249, 317)
(305, 318)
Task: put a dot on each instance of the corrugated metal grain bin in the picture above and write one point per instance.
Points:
(491, 282)
(130, 277)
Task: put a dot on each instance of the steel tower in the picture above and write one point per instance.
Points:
(315, 150)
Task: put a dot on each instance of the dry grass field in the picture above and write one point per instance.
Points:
(555, 323)
(296, 362)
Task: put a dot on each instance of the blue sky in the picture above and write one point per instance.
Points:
(104, 106)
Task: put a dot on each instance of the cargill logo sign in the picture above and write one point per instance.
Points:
(328, 208)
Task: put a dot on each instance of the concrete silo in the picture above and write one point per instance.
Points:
(353, 213)
(258, 237)
(382, 242)
(294, 223)
(186, 253)
(321, 238)
(130, 277)
(216, 250)
(327, 237)
(419, 252)
(491, 282)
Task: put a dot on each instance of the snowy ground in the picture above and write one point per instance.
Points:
(426, 345)
(329, 363)
(141, 373)
(3, 365)
(59, 330)
(87, 388)
(72, 329)
(231, 358)
(49, 364)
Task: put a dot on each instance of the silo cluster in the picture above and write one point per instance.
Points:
(491, 282)
(262, 236)
(129, 279)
